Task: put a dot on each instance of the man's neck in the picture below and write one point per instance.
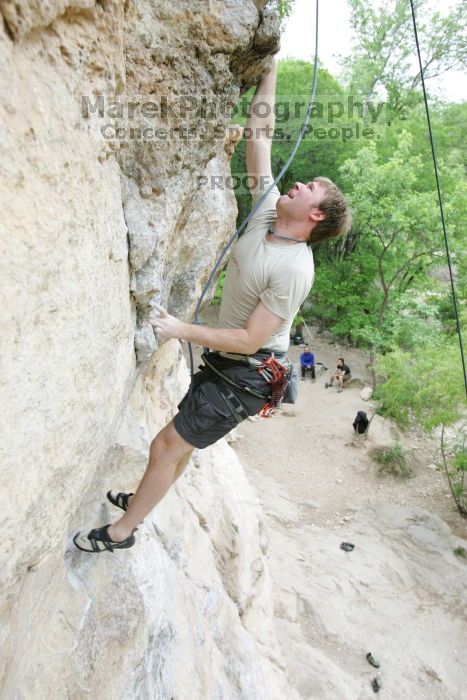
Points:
(289, 230)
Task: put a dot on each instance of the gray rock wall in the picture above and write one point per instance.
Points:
(94, 229)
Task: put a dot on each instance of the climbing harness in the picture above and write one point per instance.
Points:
(279, 376)
(234, 405)
(243, 225)
(275, 372)
(229, 380)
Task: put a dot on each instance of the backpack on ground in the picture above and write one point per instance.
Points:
(361, 422)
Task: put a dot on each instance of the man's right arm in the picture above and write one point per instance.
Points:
(260, 129)
(248, 340)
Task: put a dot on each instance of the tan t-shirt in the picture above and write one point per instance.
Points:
(278, 274)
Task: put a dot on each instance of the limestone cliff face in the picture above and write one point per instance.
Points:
(97, 224)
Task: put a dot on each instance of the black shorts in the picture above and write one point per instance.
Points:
(204, 416)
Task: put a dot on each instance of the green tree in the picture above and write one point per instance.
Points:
(386, 44)
(397, 234)
(426, 387)
(284, 8)
(398, 222)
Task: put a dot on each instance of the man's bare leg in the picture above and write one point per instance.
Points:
(167, 450)
(181, 466)
(179, 469)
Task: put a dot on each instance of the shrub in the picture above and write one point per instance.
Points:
(392, 460)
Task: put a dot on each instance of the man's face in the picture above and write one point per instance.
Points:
(301, 201)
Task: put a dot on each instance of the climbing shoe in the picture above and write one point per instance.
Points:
(98, 540)
(371, 659)
(119, 499)
(347, 546)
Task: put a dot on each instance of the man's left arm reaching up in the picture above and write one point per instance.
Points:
(259, 131)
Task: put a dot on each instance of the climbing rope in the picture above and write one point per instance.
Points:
(260, 201)
(433, 153)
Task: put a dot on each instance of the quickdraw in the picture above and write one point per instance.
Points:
(276, 374)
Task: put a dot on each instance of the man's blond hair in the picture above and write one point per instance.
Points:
(338, 219)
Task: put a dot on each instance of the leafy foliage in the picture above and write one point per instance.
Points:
(217, 296)
(425, 385)
(385, 45)
(397, 239)
(392, 460)
(283, 7)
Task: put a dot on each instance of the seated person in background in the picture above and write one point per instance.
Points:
(307, 361)
(341, 375)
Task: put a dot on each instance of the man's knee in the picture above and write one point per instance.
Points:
(168, 440)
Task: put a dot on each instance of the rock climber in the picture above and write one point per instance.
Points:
(269, 274)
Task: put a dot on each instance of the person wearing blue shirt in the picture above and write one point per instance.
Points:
(307, 361)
